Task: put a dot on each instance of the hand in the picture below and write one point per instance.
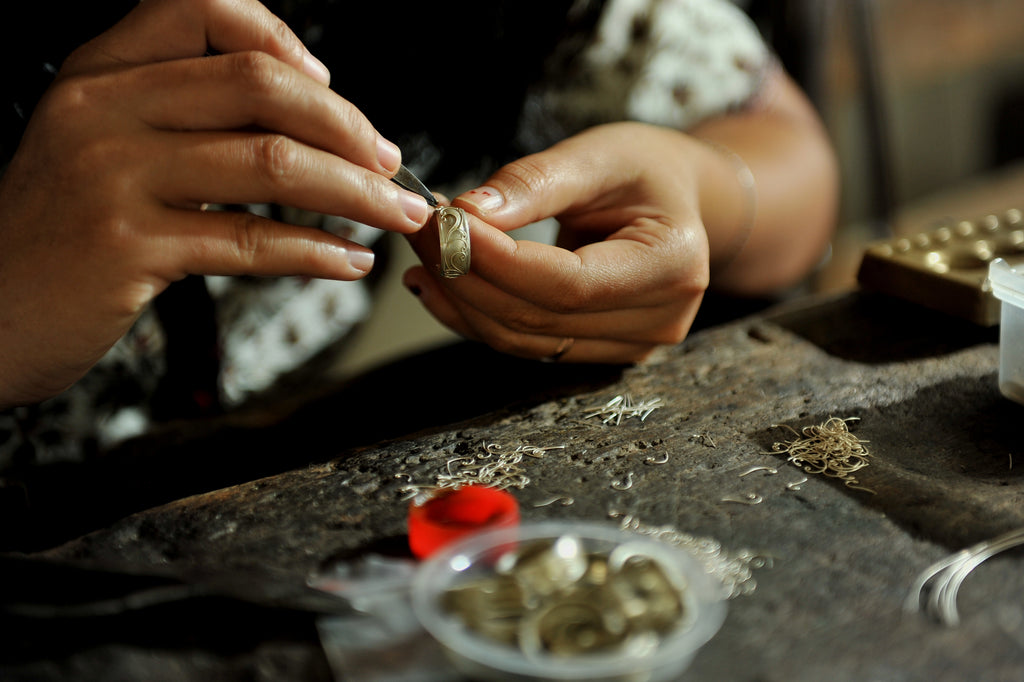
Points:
(102, 204)
(632, 260)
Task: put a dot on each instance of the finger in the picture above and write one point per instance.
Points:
(533, 346)
(598, 180)
(236, 243)
(435, 300)
(668, 322)
(161, 30)
(549, 183)
(596, 351)
(247, 90)
(235, 168)
(637, 266)
(606, 276)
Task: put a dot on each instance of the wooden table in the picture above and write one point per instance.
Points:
(254, 505)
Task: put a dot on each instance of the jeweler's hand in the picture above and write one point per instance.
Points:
(632, 260)
(101, 207)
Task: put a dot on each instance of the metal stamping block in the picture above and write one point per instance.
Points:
(946, 268)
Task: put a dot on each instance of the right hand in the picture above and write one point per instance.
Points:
(101, 207)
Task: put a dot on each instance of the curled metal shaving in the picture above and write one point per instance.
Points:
(493, 468)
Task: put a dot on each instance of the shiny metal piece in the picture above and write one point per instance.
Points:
(544, 568)
(769, 470)
(493, 608)
(562, 500)
(571, 627)
(555, 597)
(795, 485)
(646, 594)
(453, 231)
(405, 179)
(936, 588)
(624, 484)
(733, 568)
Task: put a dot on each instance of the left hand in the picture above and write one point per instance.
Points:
(630, 266)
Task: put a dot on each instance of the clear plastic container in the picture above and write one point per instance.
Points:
(478, 559)
(1007, 285)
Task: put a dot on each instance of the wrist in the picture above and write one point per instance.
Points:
(728, 203)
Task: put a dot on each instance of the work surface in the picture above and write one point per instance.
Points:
(250, 508)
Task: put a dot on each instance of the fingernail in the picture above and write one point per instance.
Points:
(361, 260)
(484, 198)
(415, 207)
(316, 69)
(388, 154)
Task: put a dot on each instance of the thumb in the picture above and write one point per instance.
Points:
(539, 186)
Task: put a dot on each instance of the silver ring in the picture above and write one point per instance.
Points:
(453, 230)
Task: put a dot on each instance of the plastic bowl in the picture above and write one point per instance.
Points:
(645, 655)
(1007, 285)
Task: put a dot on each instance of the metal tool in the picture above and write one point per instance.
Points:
(407, 180)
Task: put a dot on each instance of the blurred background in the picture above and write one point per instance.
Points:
(923, 99)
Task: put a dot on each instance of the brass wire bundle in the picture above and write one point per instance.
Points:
(829, 449)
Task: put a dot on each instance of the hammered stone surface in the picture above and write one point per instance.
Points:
(274, 500)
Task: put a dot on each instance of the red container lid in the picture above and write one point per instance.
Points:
(453, 513)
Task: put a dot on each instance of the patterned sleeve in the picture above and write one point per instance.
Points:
(267, 328)
(667, 62)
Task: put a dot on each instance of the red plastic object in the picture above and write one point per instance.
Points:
(453, 513)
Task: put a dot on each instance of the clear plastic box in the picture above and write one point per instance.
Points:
(1007, 285)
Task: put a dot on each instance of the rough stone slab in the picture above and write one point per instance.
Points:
(943, 446)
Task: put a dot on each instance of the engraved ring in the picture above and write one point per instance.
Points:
(453, 230)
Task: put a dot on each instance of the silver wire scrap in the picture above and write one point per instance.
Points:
(560, 499)
(795, 485)
(942, 580)
(623, 407)
(769, 470)
(624, 484)
(733, 568)
(492, 467)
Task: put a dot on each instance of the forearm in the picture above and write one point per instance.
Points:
(768, 239)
